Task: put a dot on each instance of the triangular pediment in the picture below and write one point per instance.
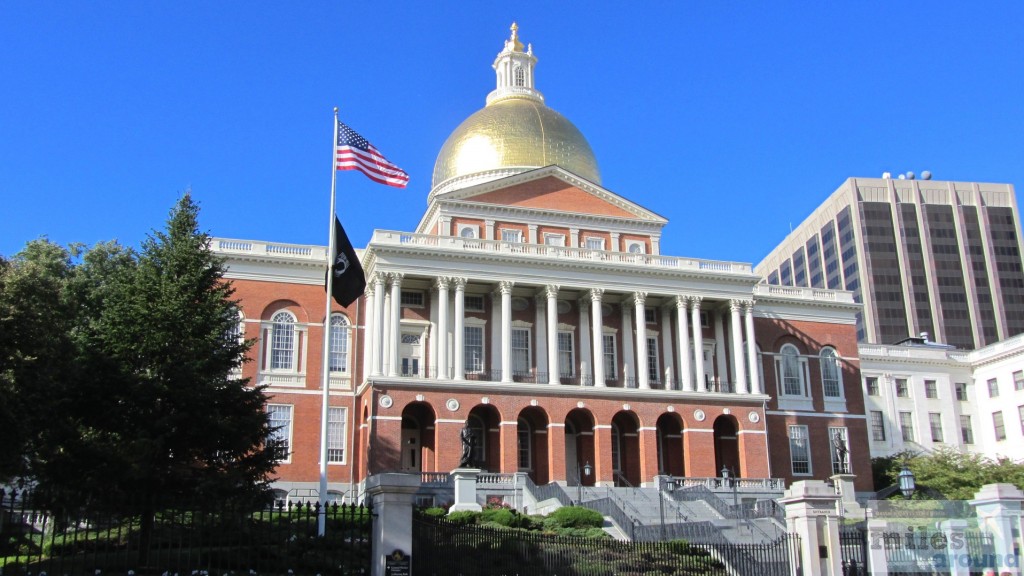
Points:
(552, 189)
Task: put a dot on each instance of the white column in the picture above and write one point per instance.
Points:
(720, 369)
(586, 374)
(574, 237)
(698, 344)
(739, 371)
(459, 371)
(396, 321)
(628, 352)
(752, 360)
(685, 372)
(494, 357)
(540, 331)
(442, 328)
(597, 336)
(505, 287)
(369, 333)
(554, 376)
(642, 377)
(429, 369)
(378, 333)
(666, 346)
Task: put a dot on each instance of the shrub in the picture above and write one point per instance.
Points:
(464, 517)
(435, 512)
(498, 515)
(575, 517)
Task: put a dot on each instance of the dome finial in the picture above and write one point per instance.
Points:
(514, 42)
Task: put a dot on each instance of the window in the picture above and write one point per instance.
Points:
(966, 431)
(961, 391)
(554, 239)
(473, 346)
(339, 344)
(474, 303)
(636, 247)
(998, 426)
(871, 383)
(479, 440)
(412, 298)
(467, 231)
(280, 429)
(511, 236)
(1018, 380)
(831, 377)
(840, 450)
(236, 333)
(566, 357)
(799, 450)
(523, 435)
(591, 243)
(993, 388)
(877, 425)
(930, 389)
(608, 346)
(520, 351)
(336, 435)
(1020, 416)
(902, 388)
(792, 373)
(649, 316)
(705, 320)
(907, 426)
(935, 423)
(519, 76)
(653, 369)
(616, 448)
(282, 341)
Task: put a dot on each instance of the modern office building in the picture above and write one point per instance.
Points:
(925, 257)
(534, 306)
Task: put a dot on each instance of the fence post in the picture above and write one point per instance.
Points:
(956, 546)
(392, 496)
(998, 507)
(878, 564)
(811, 514)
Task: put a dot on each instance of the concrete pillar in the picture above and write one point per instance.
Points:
(998, 507)
(878, 564)
(628, 351)
(667, 357)
(698, 345)
(955, 531)
(752, 359)
(683, 327)
(368, 340)
(392, 496)
(739, 371)
(378, 321)
(597, 337)
(442, 328)
(395, 332)
(586, 361)
(811, 514)
(721, 372)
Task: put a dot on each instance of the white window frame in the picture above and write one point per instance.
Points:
(636, 247)
(906, 388)
(472, 298)
(871, 386)
(340, 344)
(566, 370)
(593, 243)
(993, 387)
(280, 322)
(966, 432)
(610, 357)
(527, 361)
(281, 429)
(829, 358)
(998, 424)
(935, 425)
(653, 359)
(845, 435)
(1018, 380)
(877, 421)
(412, 299)
(960, 391)
(931, 392)
(467, 347)
(554, 239)
(511, 235)
(906, 421)
(788, 400)
(798, 433)
(337, 432)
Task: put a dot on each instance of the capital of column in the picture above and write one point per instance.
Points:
(459, 284)
(682, 302)
(748, 306)
(370, 287)
(442, 282)
(504, 287)
(596, 294)
(551, 290)
(736, 305)
(638, 298)
(695, 302)
(396, 278)
(583, 302)
(379, 278)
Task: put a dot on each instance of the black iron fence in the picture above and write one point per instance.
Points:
(853, 547)
(443, 548)
(227, 538)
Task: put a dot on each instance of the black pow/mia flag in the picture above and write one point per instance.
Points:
(349, 280)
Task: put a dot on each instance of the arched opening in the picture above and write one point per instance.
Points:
(670, 445)
(626, 449)
(532, 444)
(485, 423)
(727, 450)
(417, 442)
(579, 447)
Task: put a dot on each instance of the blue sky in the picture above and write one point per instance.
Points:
(733, 120)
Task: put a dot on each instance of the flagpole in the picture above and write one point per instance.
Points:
(325, 384)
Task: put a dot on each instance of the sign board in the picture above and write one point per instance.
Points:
(398, 563)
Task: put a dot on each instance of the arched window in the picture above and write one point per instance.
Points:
(831, 375)
(524, 434)
(282, 341)
(236, 333)
(520, 76)
(339, 343)
(791, 373)
(616, 449)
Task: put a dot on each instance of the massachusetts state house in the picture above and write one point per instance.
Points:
(535, 306)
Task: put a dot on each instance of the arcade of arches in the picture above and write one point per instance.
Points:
(552, 439)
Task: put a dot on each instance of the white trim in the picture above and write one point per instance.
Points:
(816, 414)
(399, 418)
(448, 421)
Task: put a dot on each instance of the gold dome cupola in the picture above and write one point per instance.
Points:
(515, 132)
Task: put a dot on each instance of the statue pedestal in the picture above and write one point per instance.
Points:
(465, 490)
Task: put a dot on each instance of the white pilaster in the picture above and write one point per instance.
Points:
(698, 344)
(380, 313)
(489, 230)
(752, 360)
(597, 336)
(505, 287)
(642, 376)
(685, 372)
(442, 328)
(532, 234)
(739, 371)
(666, 346)
(459, 372)
(554, 376)
(540, 346)
(369, 334)
(494, 355)
(395, 333)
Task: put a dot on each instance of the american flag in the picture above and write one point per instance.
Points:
(353, 152)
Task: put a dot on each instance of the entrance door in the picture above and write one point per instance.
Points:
(411, 450)
(411, 353)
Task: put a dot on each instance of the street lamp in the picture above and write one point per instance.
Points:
(728, 478)
(907, 482)
(587, 470)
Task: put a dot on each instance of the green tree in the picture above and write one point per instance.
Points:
(955, 475)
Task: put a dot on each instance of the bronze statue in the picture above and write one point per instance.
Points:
(466, 435)
(839, 443)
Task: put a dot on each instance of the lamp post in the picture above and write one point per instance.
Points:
(907, 482)
(579, 479)
(727, 476)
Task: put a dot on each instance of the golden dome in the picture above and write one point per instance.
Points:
(514, 135)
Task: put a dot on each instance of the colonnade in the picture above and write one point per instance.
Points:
(686, 359)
